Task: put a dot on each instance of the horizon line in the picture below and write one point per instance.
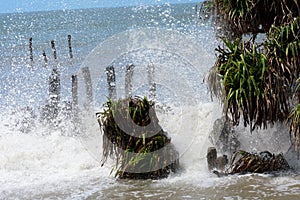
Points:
(97, 7)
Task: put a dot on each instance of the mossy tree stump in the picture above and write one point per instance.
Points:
(133, 136)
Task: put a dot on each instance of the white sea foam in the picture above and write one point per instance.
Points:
(38, 161)
(55, 163)
(40, 157)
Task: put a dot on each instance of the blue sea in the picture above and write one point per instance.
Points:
(58, 160)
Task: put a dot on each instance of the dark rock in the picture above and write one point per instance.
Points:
(221, 162)
(214, 162)
(211, 158)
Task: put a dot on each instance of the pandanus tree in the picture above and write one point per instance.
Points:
(256, 81)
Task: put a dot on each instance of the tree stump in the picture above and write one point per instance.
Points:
(214, 162)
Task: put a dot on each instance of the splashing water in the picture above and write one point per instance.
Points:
(42, 160)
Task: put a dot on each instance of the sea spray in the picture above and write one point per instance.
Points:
(53, 163)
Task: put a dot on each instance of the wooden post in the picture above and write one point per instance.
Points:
(70, 46)
(211, 157)
(111, 81)
(88, 85)
(54, 86)
(45, 57)
(128, 80)
(152, 89)
(75, 101)
(30, 49)
(53, 49)
(54, 93)
(75, 91)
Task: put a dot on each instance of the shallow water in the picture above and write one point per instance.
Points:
(44, 161)
(51, 165)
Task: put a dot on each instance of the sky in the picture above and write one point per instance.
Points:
(13, 6)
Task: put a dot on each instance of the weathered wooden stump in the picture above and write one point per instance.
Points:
(211, 158)
(214, 162)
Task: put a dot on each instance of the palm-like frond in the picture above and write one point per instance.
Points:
(257, 82)
(238, 17)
